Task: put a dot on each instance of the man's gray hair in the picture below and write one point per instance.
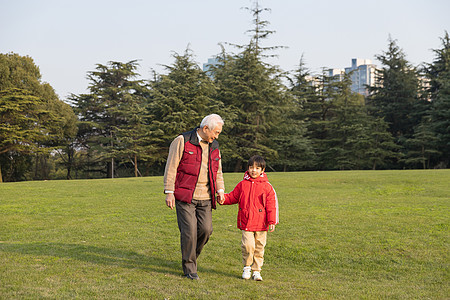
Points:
(211, 121)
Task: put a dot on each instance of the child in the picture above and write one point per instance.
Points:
(258, 212)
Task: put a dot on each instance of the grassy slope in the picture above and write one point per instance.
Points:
(354, 234)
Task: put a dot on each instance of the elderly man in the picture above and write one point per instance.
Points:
(192, 177)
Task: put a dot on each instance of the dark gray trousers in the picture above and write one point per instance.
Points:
(195, 224)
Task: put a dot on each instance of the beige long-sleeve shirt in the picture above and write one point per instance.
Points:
(202, 189)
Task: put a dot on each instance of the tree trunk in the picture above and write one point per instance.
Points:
(112, 159)
(70, 154)
(135, 166)
(1, 176)
(423, 158)
(112, 167)
(36, 167)
(46, 171)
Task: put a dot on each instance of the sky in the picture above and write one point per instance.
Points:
(67, 39)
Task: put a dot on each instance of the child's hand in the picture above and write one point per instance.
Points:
(271, 227)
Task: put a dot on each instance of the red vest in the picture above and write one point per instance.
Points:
(189, 168)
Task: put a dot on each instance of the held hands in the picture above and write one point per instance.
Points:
(220, 198)
(170, 200)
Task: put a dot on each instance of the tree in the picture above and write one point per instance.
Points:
(421, 146)
(319, 112)
(20, 83)
(395, 95)
(344, 142)
(292, 144)
(19, 72)
(255, 96)
(61, 124)
(21, 129)
(381, 145)
(344, 136)
(135, 136)
(179, 100)
(439, 75)
(108, 111)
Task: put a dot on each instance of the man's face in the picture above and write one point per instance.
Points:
(211, 135)
(255, 171)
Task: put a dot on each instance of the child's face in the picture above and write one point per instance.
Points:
(255, 171)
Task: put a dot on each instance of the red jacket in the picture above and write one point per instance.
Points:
(258, 203)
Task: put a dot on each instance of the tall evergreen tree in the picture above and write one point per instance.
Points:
(395, 95)
(344, 136)
(421, 146)
(382, 149)
(439, 75)
(255, 96)
(21, 128)
(179, 100)
(294, 148)
(320, 111)
(108, 110)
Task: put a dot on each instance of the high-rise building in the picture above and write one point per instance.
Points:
(337, 74)
(207, 66)
(362, 75)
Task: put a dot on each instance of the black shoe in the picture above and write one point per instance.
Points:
(193, 276)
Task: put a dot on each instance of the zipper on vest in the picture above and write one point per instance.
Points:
(199, 169)
(212, 186)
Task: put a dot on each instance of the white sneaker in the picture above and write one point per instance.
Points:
(246, 274)
(257, 276)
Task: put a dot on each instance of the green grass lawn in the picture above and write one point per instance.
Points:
(352, 235)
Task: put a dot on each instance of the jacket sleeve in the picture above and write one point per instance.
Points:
(272, 206)
(220, 185)
(175, 154)
(233, 196)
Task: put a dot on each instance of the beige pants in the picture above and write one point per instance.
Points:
(253, 243)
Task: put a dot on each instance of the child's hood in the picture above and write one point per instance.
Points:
(261, 178)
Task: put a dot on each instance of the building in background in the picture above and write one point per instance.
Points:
(337, 74)
(207, 66)
(362, 74)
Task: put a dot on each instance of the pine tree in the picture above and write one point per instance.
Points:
(107, 112)
(421, 146)
(395, 95)
(320, 111)
(439, 75)
(382, 148)
(21, 129)
(294, 148)
(255, 97)
(179, 100)
(344, 136)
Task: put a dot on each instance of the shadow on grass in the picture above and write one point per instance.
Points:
(102, 256)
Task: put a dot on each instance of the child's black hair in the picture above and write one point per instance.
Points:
(258, 161)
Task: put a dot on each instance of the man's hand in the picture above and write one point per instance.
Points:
(170, 200)
(220, 197)
(271, 227)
